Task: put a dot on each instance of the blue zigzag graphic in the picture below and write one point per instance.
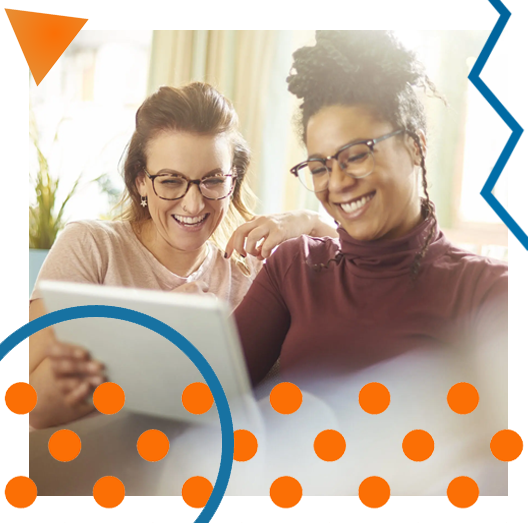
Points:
(517, 130)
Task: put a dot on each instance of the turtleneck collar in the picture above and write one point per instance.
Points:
(387, 258)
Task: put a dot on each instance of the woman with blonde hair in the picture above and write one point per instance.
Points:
(186, 194)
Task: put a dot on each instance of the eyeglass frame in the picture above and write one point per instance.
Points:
(152, 177)
(369, 143)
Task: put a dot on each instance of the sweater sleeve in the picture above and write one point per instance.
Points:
(75, 257)
(491, 319)
(263, 317)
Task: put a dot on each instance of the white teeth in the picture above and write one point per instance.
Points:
(190, 221)
(354, 206)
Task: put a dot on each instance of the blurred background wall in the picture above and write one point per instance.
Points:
(83, 114)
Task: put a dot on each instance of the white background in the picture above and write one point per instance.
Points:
(284, 14)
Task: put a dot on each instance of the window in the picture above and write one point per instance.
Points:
(84, 112)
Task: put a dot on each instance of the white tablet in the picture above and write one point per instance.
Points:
(151, 370)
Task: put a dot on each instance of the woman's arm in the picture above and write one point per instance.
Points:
(62, 375)
(262, 234)
(263, 321)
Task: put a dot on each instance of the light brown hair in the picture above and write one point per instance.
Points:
(194, 108)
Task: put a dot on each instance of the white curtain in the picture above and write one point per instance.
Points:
(249, 68)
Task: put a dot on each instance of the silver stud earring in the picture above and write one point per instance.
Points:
(144, 201)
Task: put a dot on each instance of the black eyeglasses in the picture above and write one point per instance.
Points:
(175, 186)
(355, 159)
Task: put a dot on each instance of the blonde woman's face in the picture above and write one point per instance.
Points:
(185, 224)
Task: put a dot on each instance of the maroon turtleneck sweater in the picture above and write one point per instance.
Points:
(365, 308)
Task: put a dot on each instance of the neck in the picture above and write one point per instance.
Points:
(390, 256)
(413, 219)
(180, 262)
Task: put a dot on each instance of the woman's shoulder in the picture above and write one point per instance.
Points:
(482, 265)
(99, 228)
(103, 234)
(487, 276)
(309, 246)
(297, 251)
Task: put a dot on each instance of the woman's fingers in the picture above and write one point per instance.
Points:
(95, 381)
(254, 238)
(75, 372)
(65, 350)
(267, 246)
(238, 238)
(78, 394)
(65, 367)
(272, 230)
(67, 385)
(77, 389)
(247, 237)
(72, 360)
(259, 255)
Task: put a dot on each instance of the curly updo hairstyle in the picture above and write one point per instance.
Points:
(197, 108)
(370, 68)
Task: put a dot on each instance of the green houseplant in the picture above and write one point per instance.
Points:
(46, 216)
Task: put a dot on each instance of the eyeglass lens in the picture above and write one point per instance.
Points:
(172, 187)
(356, 161)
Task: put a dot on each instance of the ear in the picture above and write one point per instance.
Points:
(417, 157)
(141, 184)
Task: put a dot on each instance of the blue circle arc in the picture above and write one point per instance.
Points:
(121, 313)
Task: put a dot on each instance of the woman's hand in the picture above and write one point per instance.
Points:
(75, 373)
(262, 234)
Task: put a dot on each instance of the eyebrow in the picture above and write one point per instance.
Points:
(177, 173)
(317, 156)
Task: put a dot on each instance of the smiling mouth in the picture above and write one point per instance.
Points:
(190, 221)
(357, 203)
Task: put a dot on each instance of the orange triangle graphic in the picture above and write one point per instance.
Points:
(43, 38)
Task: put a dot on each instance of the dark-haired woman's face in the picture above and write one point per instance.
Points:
(386, 203)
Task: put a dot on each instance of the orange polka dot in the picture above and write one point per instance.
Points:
(418, 445)
(463, 492)
(21, 398)
(197, 398)
(109, 398)
(374, 492)
(196, 491)
(286, 492)
(506, 445)
(374, 398)
(64, 445)
(463, 398)
(329, 445)
(109, 492)
(286, 398)
(153, 445)
(21, 492)
(246, 445)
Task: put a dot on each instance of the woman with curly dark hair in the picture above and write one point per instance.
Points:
(392, 282)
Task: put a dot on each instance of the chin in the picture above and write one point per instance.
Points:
(361, 234)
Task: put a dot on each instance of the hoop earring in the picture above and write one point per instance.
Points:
(144, 201)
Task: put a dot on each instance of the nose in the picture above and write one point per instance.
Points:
(193, 202)
(339, 180)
